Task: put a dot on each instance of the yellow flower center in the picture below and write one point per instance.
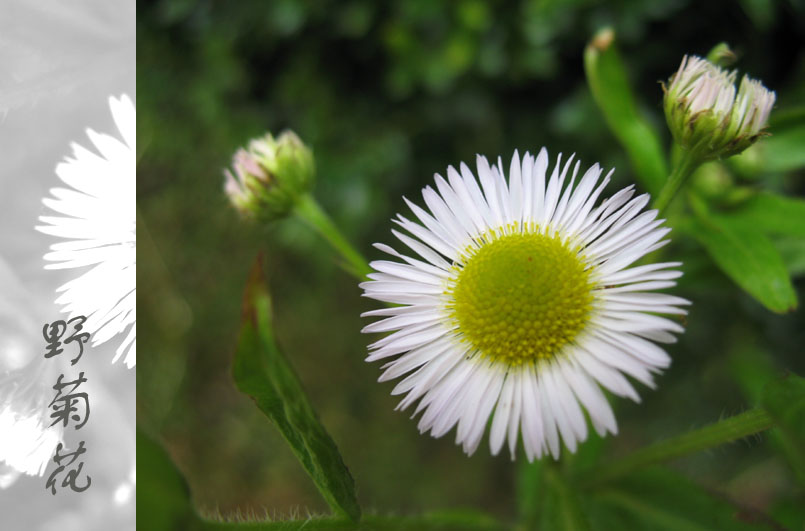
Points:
(520, 297)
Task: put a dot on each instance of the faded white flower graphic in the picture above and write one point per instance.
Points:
(97, 223)
(27, 439)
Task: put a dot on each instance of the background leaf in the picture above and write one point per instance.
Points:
(561, 508)
(782, 151)
(748, 257)
(792, 250)
(606, 76)
(163, 498)
(661, 499)
(784, 399)
(770, 213)
(263, 373)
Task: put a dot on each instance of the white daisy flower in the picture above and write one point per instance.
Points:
(98, 223)
(521, 305)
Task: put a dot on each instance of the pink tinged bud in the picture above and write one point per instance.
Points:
(269, 176)
(246, 164)
(705, 113)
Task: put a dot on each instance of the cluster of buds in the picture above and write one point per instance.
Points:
(706, 115)
(270, 176)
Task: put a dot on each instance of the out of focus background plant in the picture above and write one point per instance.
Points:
(386, 94)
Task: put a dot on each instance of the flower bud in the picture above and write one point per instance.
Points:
(706, 116)
(270, 176)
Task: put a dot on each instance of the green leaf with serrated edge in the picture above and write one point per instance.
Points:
(771, 214)
(748, 257)
(784, 399)
(606, 76)
(262, 372)
(163, 498)
(660, 499)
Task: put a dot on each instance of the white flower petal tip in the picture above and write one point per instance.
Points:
(26, 446)
(95, 220)
(519, 304)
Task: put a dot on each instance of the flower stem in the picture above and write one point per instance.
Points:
(309, 210)
(530, 492)
(568, 515)
(723, 431)
(684, 166)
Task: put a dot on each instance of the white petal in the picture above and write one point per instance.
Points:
(500, 422)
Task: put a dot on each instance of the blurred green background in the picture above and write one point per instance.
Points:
(387, 93)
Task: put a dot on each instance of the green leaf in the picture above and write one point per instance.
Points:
(770, 213)
(163, 498)
(748, 257)
(440, 521)
(606, 76)
(784, 399)
(790, 512)
(661, 499)
(262, 372)
(779, 152)
(782, 151)
(792, 249)
(561, 509)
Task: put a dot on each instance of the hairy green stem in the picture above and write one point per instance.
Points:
(471, 521)
(309, 210)
(723, 431)
(684, 166)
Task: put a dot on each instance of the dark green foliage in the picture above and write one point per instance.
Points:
(784, 399)
(660, 499)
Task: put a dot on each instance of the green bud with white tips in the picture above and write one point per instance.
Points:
(270, 176)
(707, 116)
